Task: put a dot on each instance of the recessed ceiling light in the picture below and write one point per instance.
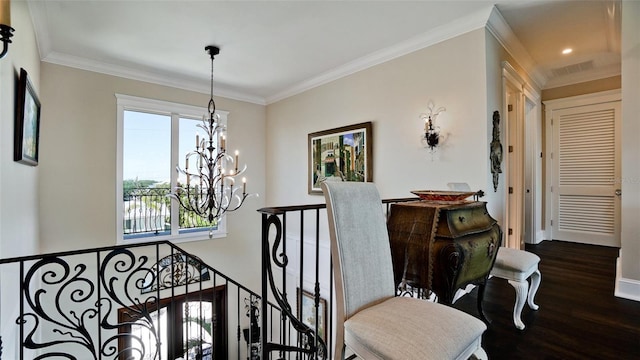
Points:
(567, 51)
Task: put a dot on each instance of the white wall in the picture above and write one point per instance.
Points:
(78, 167)
(628, 284)
(392, 95)
(18, 183)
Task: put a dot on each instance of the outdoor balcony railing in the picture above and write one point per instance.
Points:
(148, 210)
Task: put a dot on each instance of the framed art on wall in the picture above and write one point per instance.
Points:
(341, 154)
(307, 312)
(27, 122)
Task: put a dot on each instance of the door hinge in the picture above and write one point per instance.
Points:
(541, 155)
(551, 121)
(510, 231)
(551, 189)
(509, 107)
(551, 222)
(510, 189)
(510, 148)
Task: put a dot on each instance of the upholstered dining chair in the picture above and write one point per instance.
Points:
(371, 321)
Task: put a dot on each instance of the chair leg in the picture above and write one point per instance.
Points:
(480, 354)
(535, 282)
(522, 287)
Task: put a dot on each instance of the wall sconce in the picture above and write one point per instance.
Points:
(6, 31)
(431, 137)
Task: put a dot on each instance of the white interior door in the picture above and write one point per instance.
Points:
(586, 165)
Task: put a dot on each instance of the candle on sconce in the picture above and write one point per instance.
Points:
(244, 185)
(5, 12)
(186, 163)
(237, 153)
(197, 140)
(188, 178)
(223, 141)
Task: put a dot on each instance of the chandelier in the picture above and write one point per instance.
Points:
(210, 190)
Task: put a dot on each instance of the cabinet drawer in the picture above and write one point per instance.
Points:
(456, 222)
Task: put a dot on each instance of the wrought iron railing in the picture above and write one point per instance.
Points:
(297, 274)
(145, 301)
(154, 301)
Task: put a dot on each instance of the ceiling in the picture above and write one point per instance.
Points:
(274, 49)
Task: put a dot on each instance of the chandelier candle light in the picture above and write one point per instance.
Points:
(210, 190)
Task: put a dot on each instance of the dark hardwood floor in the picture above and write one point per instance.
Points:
(579, 317)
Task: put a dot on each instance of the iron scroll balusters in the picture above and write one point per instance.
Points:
(312, 344)
(64, 304)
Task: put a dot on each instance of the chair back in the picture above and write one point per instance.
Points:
(359, 246)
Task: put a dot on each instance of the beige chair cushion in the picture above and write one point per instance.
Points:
(514, 264)
(408, 328)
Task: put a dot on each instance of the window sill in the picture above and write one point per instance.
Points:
(185, 237)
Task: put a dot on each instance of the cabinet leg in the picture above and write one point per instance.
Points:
(481, 289)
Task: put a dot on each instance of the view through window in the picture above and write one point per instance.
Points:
(154, 138)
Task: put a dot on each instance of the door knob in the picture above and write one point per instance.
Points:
(618, 192)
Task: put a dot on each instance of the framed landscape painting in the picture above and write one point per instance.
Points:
(341, 154)
(27, 122)
(307, 312)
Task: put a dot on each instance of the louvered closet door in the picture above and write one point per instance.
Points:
(587, 168)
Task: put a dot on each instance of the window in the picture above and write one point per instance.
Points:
(153, 138)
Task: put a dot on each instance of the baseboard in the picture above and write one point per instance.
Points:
(541, 236)
(626, 288)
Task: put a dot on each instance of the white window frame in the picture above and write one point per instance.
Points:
(176, 111)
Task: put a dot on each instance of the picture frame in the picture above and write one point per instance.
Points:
(306, 312)
(27, 122)
(340, 154)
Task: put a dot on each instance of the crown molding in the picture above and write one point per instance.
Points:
(39, 21)
(38, 17)
(147, 76)
(499, 28)
(442, 33)
(489, 18)
(596, 74)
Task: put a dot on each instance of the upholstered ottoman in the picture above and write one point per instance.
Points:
(517, 266)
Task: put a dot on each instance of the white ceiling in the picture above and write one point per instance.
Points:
(274, 49)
